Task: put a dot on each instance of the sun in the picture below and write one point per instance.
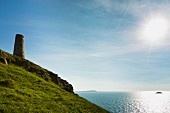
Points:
(155, 30)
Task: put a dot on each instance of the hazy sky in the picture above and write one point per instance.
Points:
(94, 44)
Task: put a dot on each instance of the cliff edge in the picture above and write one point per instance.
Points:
(28, 88)
(36, 69)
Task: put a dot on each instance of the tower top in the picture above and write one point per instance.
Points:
(19, 35)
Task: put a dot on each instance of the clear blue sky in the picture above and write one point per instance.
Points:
(93, 44)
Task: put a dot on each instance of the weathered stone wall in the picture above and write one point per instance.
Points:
(19, 46)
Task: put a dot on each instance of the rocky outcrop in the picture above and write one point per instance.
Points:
(3, 60)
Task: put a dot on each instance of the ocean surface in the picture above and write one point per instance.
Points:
(130, 102)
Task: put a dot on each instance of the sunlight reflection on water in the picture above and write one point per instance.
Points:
(154, 103)
(139, 102)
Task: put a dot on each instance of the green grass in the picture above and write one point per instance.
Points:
(36, 69)
(25, 92)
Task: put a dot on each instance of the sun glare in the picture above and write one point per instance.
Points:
(155, 103)
(155, 30)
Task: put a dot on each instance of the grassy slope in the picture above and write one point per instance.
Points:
(24, 92)
(36, 69)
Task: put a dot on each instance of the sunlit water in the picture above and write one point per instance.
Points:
(138, 102)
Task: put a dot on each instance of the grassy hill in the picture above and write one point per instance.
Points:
(36, 69)
(23, 91)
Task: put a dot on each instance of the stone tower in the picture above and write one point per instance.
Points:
(19, 46)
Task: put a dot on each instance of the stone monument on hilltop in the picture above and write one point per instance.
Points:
(19, 46)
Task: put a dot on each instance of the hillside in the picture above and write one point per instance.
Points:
(23, 91)
(34, 68)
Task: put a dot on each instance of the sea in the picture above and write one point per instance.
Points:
(130, 102)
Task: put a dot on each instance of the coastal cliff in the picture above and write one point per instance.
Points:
(36, 69)
(28, 88)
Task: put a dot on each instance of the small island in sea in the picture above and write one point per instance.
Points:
(158, 92)
(91, 91)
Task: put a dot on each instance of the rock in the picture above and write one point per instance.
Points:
(3, 60)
